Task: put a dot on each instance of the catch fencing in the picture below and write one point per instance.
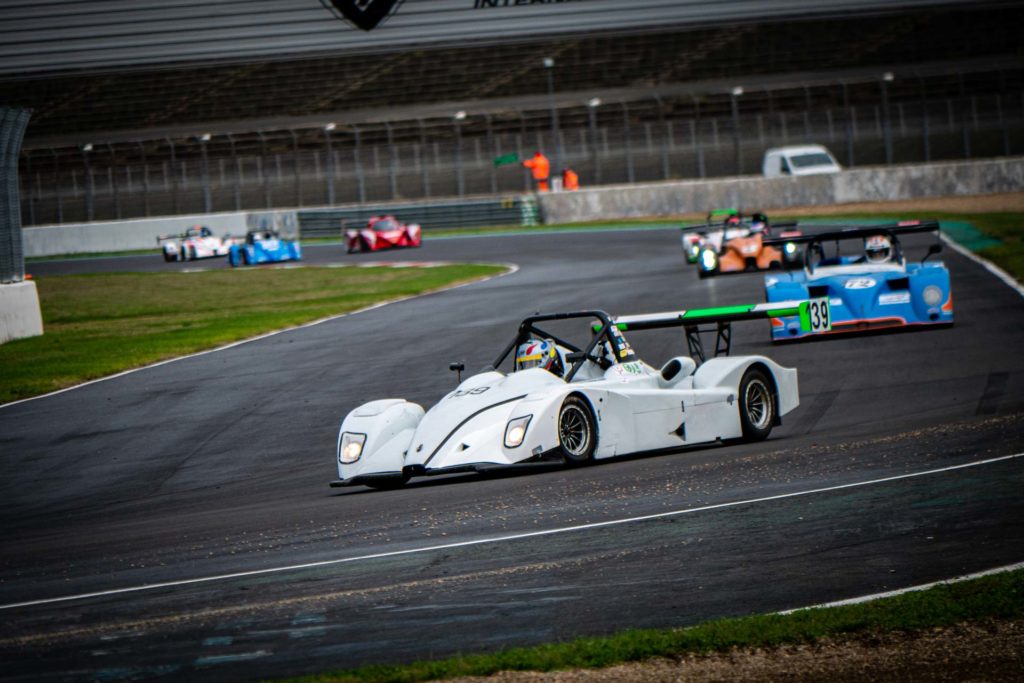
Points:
(605, 143)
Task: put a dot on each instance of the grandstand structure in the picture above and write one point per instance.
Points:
(416, 122)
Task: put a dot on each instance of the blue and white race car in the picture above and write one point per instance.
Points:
(871, 289)
(264, 246)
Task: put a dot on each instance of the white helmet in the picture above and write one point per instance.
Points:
(877, 249)
(540, 353)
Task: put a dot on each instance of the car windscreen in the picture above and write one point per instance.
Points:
(385, 225)
(812, 159)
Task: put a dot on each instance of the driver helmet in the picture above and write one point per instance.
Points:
(733, 220)
(540, 353)
(877, 249)
(758, 223)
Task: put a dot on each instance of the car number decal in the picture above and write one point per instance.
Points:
(860, 283)
(820, 315)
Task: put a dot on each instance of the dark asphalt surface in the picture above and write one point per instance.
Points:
(219, 463)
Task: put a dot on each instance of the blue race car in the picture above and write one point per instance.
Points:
(264, 246)
(874, 288)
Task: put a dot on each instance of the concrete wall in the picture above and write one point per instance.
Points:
(880, 183)
(19, 311)
(91, 238)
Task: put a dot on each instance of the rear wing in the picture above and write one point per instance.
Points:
(162, 238)
(815, 316)
(860, 232)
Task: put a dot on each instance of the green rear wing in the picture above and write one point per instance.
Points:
(815, 317)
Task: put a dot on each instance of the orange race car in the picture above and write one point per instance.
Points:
(739, 246)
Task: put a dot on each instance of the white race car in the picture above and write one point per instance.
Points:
(195, 243)
(564, 403)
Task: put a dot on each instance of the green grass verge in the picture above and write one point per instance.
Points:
(994, 597)
(97, 325)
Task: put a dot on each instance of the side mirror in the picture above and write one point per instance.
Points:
(934, 248)
(575, 356)
(458, 367)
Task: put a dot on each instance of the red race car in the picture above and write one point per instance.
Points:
(383, 232)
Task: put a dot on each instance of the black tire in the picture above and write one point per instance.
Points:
(701, 273)
(757, 404)
(183, 254)
(245, 257)
(168, 257)
(577, 431)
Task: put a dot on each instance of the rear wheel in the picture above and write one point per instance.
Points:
(245, 257)
(757, 405)
(577, 431)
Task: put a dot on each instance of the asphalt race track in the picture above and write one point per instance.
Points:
(192, 500)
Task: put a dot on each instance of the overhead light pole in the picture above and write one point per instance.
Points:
(887, 78)
(460, 180)
(736, 93)
(592, 105)
(549, 69)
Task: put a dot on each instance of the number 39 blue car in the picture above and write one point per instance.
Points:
(864, 274)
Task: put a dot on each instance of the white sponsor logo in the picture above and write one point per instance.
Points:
(860, 283)
(895, 298)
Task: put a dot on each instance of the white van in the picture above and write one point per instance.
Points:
(799, 160)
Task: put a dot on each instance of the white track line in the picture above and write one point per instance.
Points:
(911, 589)
(503, 539)
(512, 268)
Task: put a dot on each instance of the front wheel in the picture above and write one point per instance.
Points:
(757, 405)
(577, 431)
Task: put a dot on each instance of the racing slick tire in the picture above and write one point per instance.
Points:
(757, 404)
(183, 254)
(245, 258)
(577, 431)
(701, 273)
(168, 256)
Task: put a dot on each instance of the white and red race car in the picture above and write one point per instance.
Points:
(195, 243)
(383, 232)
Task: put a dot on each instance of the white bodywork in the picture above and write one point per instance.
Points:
(197, 248)
(799, 160)
(635, 408)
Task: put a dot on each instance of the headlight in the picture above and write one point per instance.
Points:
(708, 259)
(790, 248)
(694, 249)
(351, 447)
(932, 295)
(515, 431)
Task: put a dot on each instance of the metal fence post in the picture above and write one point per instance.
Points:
(630, 170)
(493, 151)
(392, 161)
(424, 171)
(238, 173)
(358, 152)
(295, 167)
(145, 178)
(112, 181)
(849, 125)
(90, 183)
(205, 173)
(57, 185)
(174, 177)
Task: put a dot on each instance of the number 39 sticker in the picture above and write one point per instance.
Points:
(819, 315)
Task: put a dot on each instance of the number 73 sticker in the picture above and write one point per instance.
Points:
(816, 315)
